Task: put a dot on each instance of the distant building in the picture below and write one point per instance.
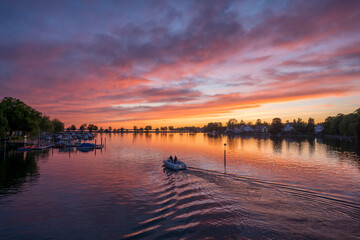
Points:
(318, 128)
(288, 128)
(229, 130)
(261, 129)
(243, 129)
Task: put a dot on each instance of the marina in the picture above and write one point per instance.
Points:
(80, 140)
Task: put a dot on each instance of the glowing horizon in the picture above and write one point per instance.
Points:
(185, 63)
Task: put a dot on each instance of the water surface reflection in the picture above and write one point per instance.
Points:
(17, 168)
(278, 188)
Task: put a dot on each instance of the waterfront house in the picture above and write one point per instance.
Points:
(243, 129)
(229, 130)
(288, 128)
(318, 128)
(261, 129)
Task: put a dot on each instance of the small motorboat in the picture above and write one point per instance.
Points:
(86, 146)
(43, 146)
(26, 148)
(99, 146)
(174, 166)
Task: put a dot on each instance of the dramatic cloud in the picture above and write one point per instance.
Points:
(124, 61)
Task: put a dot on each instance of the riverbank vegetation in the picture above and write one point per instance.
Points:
(341, 124)
(17, 117)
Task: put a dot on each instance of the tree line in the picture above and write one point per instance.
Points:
(92, 127)
(16, 116)
(341, 124)
(298, 126)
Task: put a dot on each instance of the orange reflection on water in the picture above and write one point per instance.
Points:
(298, 162)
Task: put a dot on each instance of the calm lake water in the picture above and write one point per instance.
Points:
(266, 189)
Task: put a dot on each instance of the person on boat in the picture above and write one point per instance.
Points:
(175, 159)
(171, 158)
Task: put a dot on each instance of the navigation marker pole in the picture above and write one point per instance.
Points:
(225, 157)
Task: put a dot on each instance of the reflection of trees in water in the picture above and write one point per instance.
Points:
(258, 144)
(333, 144)
(18, 168)
(134, 137)
(232, 144)
(148, 137)
(295, 143)
(350, 149)
(300, 143)
(342, 145)
(277, 144)
(311, 142)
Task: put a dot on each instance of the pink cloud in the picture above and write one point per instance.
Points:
(189, 63)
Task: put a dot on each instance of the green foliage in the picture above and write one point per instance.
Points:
(214, 126)
(58, 125)
(327, 124)
(4, 127)
(276, 126)
(192, 129)
(258, 122)
(232, 123)
(73, 128)
(92, 127)
(310, 127)
(16, 116)
(345, 125)
(46, 125)
(299, 126)
(148, 128)
(83, 127)
(20, 117)
(335, 124)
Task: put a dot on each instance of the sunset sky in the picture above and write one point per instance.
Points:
(181, 63)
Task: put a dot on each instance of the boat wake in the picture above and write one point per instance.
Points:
(199, 204)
